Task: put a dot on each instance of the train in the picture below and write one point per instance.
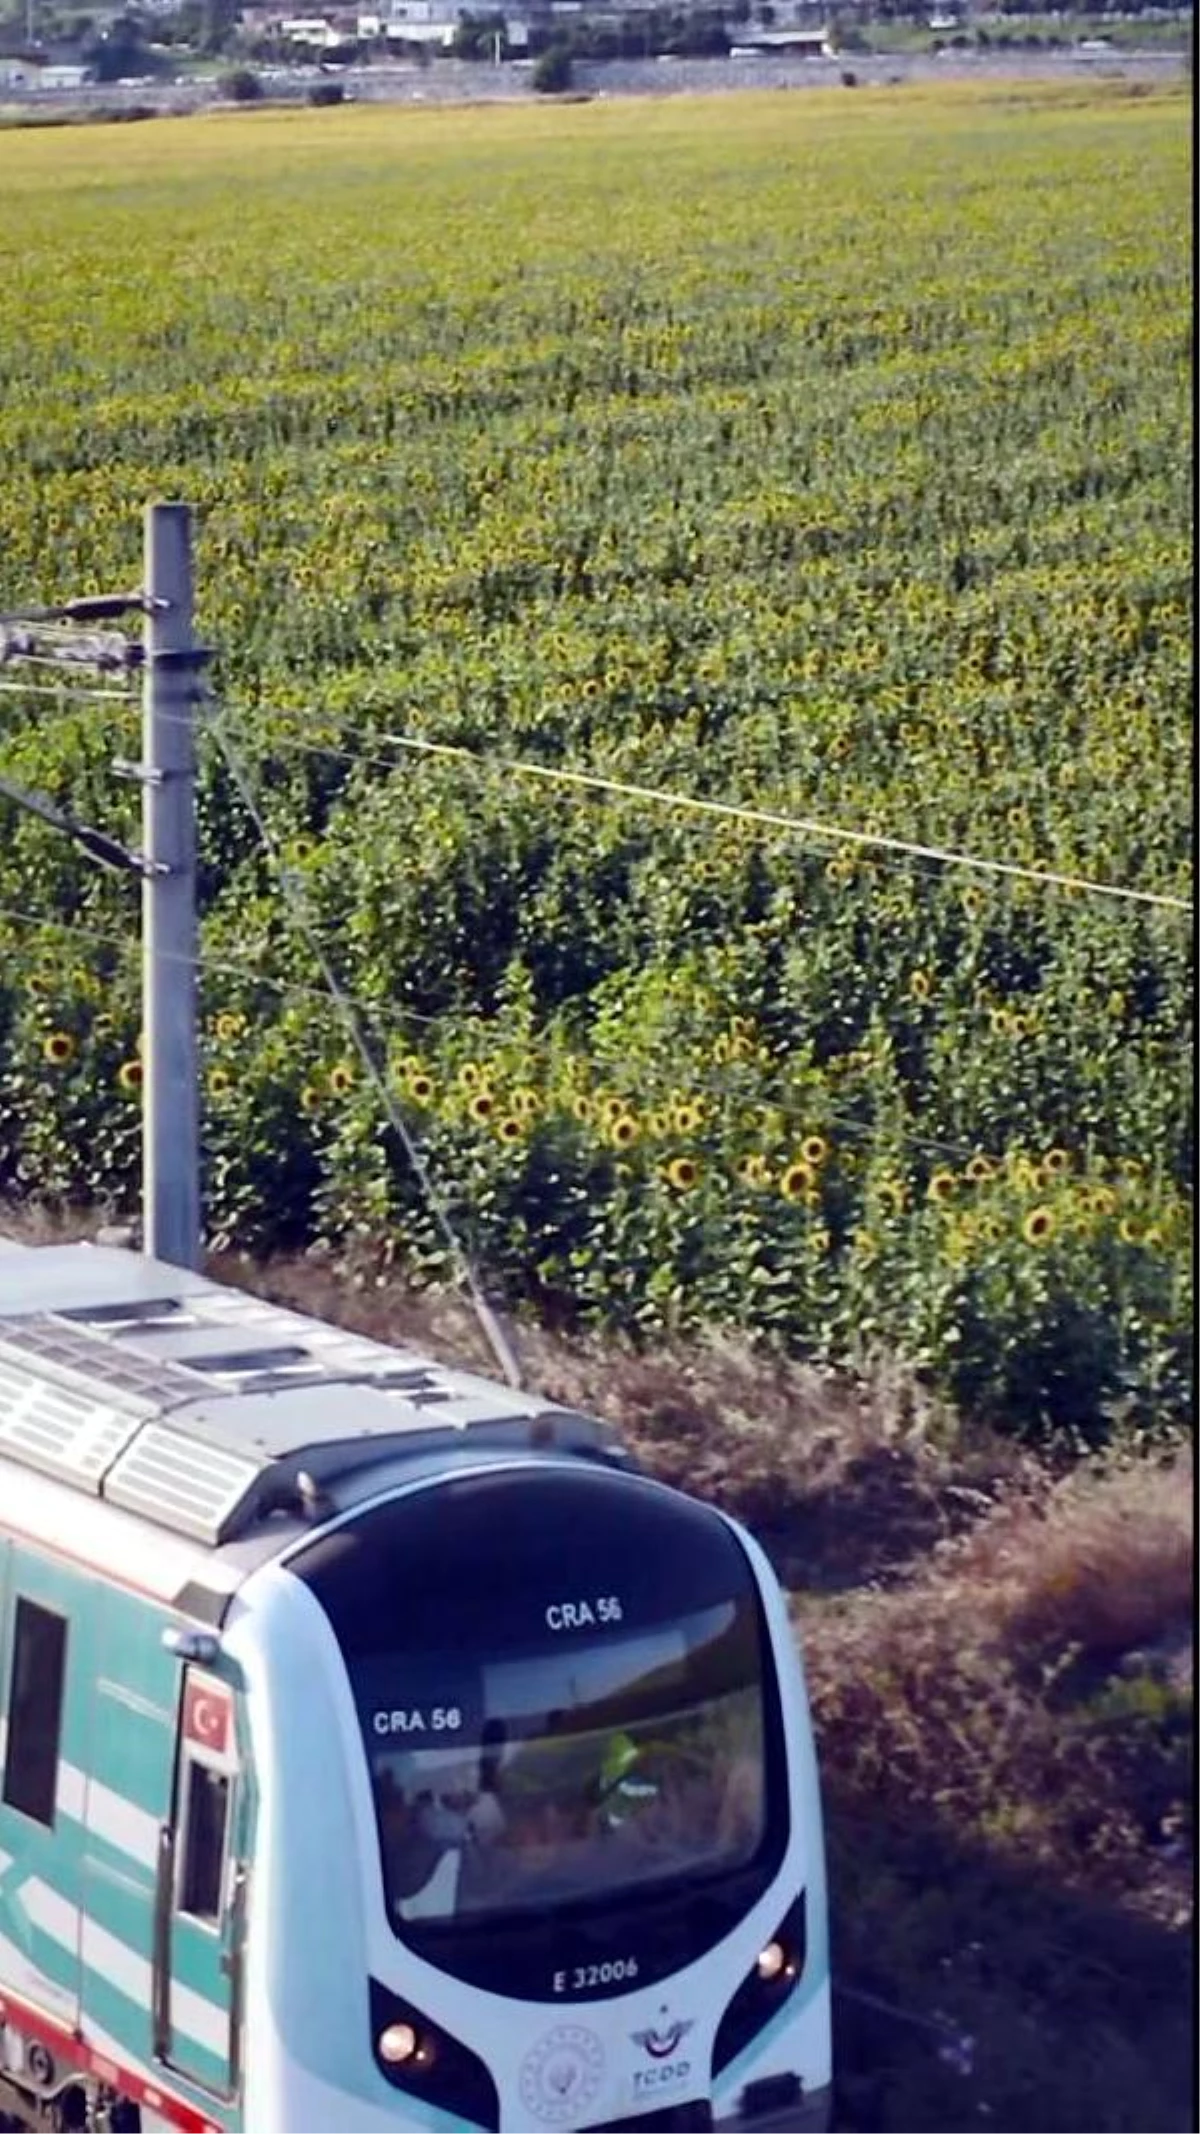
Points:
(380, 1747)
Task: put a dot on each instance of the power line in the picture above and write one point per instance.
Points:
(70, 691)
(733, 811)
(497, 1340)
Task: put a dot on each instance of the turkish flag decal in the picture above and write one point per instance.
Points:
(207, 1714)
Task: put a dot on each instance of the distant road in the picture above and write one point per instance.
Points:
(462, 81)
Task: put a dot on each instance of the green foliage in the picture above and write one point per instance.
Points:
(825, 462)
(553, 71)
(241, 85)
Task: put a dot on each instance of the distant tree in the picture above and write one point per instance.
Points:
(553, 72)
(240, 86)
(475, 37)
(118, 50)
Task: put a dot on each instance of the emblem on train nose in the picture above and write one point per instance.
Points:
(662, 2040)
(562, 2074)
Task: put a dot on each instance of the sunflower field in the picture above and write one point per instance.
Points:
(824, 456)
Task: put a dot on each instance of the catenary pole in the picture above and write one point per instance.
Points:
(170, 1122)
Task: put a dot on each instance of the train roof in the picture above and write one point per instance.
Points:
(206, 1413)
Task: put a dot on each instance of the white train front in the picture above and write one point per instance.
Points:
(488, 1795)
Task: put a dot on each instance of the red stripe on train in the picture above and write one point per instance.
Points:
(32, 2023)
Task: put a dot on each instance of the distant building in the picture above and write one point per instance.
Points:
(62, 77)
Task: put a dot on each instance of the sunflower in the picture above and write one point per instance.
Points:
(612, 1109)
(511, 1129)
(1055, 1162)
(1101, 1200)
(1038, 1226)
(941, 1186)
(310, 1098)
(814, 1149)
(582, 1109)
(129, 1075)
(687, 1118)
(526, 1103)
(624, 1131)
(470, 1074)
(420, 1088)
(1000, 1022)
(920, 985)
(683, 1173)
(979, 1168)
(1128, 1232)
(341, 1079)
(58, 1048)
(890, 1196)
(798, 1180)
(1153, 1237)
(754, 1171)
(228, 1026)
(481, 1106)
(219, 1083)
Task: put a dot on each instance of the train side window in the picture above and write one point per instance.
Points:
(35, 1699)
(202, 1851)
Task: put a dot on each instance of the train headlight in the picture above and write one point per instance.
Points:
(772, 1961)
(398, 2044)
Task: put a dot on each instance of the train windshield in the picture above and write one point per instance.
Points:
(583, 1771)
(568, 1704)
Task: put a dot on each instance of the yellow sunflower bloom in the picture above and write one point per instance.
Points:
(798, 1180)
(310, 1098)
(59, 1048)
(219, 1083)
(482, 1106)
(624, 1131)
(419, 1088)
(942, 1186)
(814, 1149)
(920, 985)
(979, 1168)
(228, 1026)
(683, 1173)
(1038, 1226)
(341, 1078)
(511, 1129)
(687, 1118)
(891, 1197)
(1055, 1162)
(129, 1075)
